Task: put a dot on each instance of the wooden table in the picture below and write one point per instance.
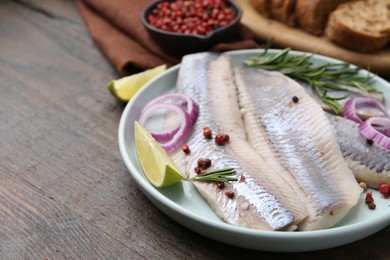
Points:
(64, 189)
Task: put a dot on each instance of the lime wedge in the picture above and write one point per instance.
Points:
(158, 167)
(125, 88)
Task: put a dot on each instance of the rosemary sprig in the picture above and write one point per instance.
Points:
(222, 175)
(322, 78)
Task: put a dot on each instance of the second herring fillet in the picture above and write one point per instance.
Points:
(229, 120)
(252, 205)
(301, 139)
(369, 162)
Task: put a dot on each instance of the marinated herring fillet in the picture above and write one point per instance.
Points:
(369, 162)
(229, 120)
(302, 140)
(251, 205)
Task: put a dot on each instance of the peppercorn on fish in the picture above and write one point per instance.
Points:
(280, 115)
(248, 202)
(369, 163)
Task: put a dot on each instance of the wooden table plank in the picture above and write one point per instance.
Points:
(64, 190)
(35, 226)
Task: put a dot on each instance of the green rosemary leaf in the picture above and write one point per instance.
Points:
(315, 73)
(268, 45)
(330, 85)
(338, 70)
(320, 92)
(266, 60)
(336, 107)
(221, 171)
(222, 175)
(358, 83)
(338, 98)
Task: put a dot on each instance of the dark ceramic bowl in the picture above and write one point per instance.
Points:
(179, 44)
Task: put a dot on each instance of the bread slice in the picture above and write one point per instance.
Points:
(360, 25)
(263, 7)
(312, 15)
(283, 11)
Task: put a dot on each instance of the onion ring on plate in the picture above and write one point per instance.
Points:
(192, 107)
(184, 129)
(150, 107)
(351, 106)
(372, 133)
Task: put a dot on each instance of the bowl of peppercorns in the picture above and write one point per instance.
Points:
(181, 27)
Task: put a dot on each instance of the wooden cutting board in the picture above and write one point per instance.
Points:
(297, 39)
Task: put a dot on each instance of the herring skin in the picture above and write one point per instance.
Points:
(369, 163)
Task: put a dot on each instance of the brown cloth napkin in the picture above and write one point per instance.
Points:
(117, 29)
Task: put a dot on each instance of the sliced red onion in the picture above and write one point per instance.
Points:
(164, 136)
(370, 132)
(351, 106)
(192, 107)
(149, 109)
(184, 129)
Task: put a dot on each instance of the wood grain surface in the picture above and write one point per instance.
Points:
(65, 192)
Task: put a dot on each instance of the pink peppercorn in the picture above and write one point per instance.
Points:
(207, 133)
(384, 189)
(221, 139)
(369, 199)
(186, 149)
(220, 185)
(372, 205)
(230, 194)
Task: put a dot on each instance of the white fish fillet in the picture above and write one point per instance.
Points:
(302, 140)
(253, 205)
(229, 120)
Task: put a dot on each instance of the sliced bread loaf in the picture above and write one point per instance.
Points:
(312, 15)
(360, 25)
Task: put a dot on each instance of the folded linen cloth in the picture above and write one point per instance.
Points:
(116, 28)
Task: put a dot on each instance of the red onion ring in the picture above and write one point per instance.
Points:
(370, 132)
(192, 107)
(184, 129)
(350, 107)
(159, 136)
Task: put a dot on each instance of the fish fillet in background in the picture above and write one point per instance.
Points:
(252, 204)
(369, 162)
(279, 114)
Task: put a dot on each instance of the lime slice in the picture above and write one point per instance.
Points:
(125, 88)
(158, 167)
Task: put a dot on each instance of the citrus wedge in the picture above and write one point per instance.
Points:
(158, 167)
(125, 88)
